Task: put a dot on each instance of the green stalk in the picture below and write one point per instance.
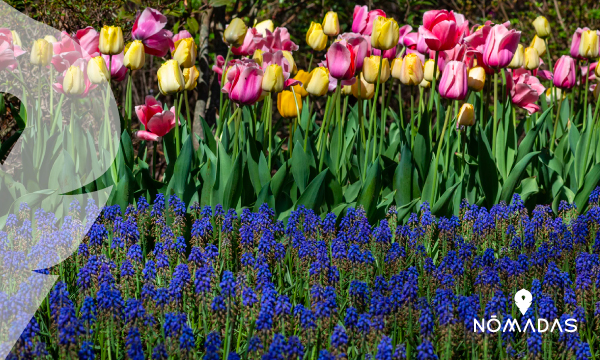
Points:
(325, 125)
(177, 136)
(400, 110)
(585, 102)
(128, 98)
(309, 124)
(434, 81)
(412, 124)
(325, 114)
(557, 119)
(437, 155)
(495, 114)
(236, 137)
(374, 111)
(338, 121)
(269, 120)
(187, 112)
(221, 107)
(384, 108)
(342, 128)
(297, 118)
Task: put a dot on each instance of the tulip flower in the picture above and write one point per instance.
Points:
(73, 83)
(428, 70)
(539, 44)
(500, 47)
(279, 40)
(367, 90)
(235, 32)
(181, 35)
(111, 40)
(410, 40)
(273, 78)
(244, 82)
(553, 93)
(341, 60)
(97, 71)
(575, 42)
(524, 89)
(371, 69)
(263, 26)
(361, 46)
(158, 122)
(386, 33)
(440, 30)
(89, 42)
(318, 84)
(331, 24)
(170, 78)
(149, 28)
(466, 116)
(531, 59)
(396, 68)
(135, 57)
(16, 39)
(403, 32)
(118, 70)
(290, 58)
(564, 73)
(303, 78)
(41, 53)
(454, 81)
(280, 59)
(51, 39)
(518, 58)
(315, 37)
(185, 52)
(252, 41)
(588, 46)
(411, 72)
(476, 79)
(190, 76)
(542, 27)
(362, 19)
(286, 104)
(425, 84)
(66, 52)
(387, 54)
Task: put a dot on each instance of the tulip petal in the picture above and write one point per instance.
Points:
(146, 135)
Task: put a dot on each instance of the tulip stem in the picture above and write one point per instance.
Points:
(221, 107)
(187, 112)
(596, 109)
(177, 137)
(434, 81)
(585, 102)
(555, 126)
(323, 122)
(236, 137)
(309, 122)
(374, 110)
(341, 149)
(383, 116)
(269, 114)
(298, 120)
(495, 114)
(400, 110)
(481, 104)
(339, 124)
(325, 126)
(412, 124)
(154, 160)
(437, 155)
(129, 102)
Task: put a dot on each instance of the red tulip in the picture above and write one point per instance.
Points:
(441, 30)
(341, 60)
(362, 19)
(564, 73)
(279, 40)
(158, 123)
(524, 89)
(253, 40)
(361, 44)
(500, 46)
(149, 28)
(454, 81)
(218, 67)
(89, 40)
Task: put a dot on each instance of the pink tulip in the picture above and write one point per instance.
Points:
(8, 51)
(279, 40)
(158, 122)
(455, 54)
(150, 108)
(477, 40)
(500, 47)
(410, 40)
(421, 44)
(253, 40)
(118, 71)
(524, 89)
(66, 52)
(149, 28)
(244, 82)
(277, 58)
(341, 60)
(564, 73)
(453, 84)
(361, 44)
(404, 31)
(218, 66)
(89, 40)
(441, 31)
(362, 19)
(183, 34)
(82, 64)
(575, 43)
(388, 54)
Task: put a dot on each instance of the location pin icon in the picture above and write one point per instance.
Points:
(523, 300)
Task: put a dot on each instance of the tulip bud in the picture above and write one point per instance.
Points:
(304, 78)
(331, 24)
(386, 33)
(542, 27)
(347, 90)
(531, 59)
(428, 70)
(185, 52)
(476, 78)
(286, 104)
(170, 78)
(263, 26)
(367, 90)
(51, 39)
(553, 93)
(16, 38)
(371, 69)
(466, 115)
(454, 81)
(190, 76)
(135, 56)
(588, 47)
(41, 52)
(74, 82)
(97, 71)
(425, 84)
(539, 44)
(288, 56)
(111, 40)
(396, 68)
(517, 60)
(235, 32)
(273, 78)
(258, 56)
(315, 37)
(318, 84)
(411, 72)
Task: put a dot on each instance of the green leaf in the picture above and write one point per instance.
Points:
(404, 210)
(515, 175)
(589, 184)
(182, 169)
(369, 194)
(278, 180)
(526, 145)
(300, 167)
(209, 139)
(233, 188)
(441, 204)
(403, 177)
(312, 197)
(192, 25)
(488, 174)
(127, 147)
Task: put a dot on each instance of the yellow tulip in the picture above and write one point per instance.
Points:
(476, 78)
(425, 84)
(235, 32)
(287, 105)
(51, 39)
(331, 24)
(371, 69)
(185, 52)
(539, 44)
(466, 115)
(554, 92)
(396, 68)
(288, 56)
(542, 27)
(318, 84)
(74, 82)
(367, 90)
(41, 52)
(304, 78)
(411, 72)
(135, 56)
(97, 71)
(262, 26)
(518, 58)
(272, 80)
(315, 37)
(111, 40)
(531, 60)
(190, 76)
(258, 56)
(16, 38)
(386, 33)
(170, 78)
(588, 47)
(428, 70)
(346, 90)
